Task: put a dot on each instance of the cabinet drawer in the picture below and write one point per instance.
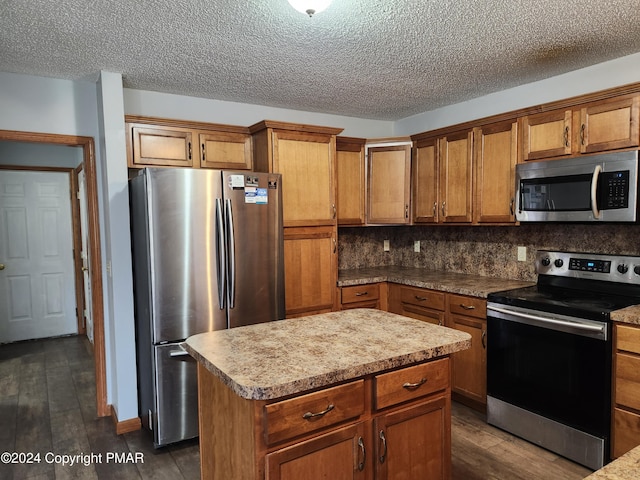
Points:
(628, 338)
(469, 306)
(422, 297)
(360, 293)
(626, 431)
(307, 413)
(411, 382)
(628, 380)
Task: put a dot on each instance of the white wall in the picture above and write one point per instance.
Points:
(37, 155)
(48, 105)
(119, 326)
(165, 105)
(615, 73)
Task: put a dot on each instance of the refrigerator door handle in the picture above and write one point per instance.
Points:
(231, 252)
(180, 352)
(221, 261)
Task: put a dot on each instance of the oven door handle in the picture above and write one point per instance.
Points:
(553, 321)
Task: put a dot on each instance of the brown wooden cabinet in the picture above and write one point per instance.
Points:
(443, 179)
(469, 367)
(626, 389)
(389, 184)
(305, 157)
(350, 180)
(311, 269)
(360, 296)
(419, 303)
(425, 181)
(384, 426)
(174, 143)
(496, 156)
(593, 127)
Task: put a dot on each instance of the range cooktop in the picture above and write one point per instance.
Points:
(581, 285)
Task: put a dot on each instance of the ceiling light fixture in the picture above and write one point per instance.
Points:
(310, 7)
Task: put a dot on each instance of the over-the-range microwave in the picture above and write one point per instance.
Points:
(598, 188)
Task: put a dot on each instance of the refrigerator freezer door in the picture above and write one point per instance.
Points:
(176, 417)
(253, 203)
(182, 229)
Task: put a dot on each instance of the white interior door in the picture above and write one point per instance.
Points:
(37, 291)
(85, 254)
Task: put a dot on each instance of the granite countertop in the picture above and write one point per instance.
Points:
(627, 467)
(460, 283)
(627, 315)
(285, 357)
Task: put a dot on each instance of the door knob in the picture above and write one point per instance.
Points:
(1, 266)
(85, 269)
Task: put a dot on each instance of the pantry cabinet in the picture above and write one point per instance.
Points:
(350, 180)
(160, 142)
(626, 389)
(389, 187)
(496, 155)
(593, 127)
(305, 156)
(469, 367)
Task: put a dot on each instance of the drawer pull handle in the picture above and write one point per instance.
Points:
(467, 307)
(420, 299)
(361, 294)
(413, 386)
(383, 455)
(309, 415)
(364, 454)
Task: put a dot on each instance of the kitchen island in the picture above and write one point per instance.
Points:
(353, 394)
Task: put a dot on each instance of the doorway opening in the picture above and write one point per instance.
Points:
(93, 263)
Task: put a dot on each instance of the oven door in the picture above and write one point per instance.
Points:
(555, 366)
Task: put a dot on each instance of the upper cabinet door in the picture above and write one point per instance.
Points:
(161, 146)
(546, 135)
(610, 125)
(307, 164)
(456, 177)
(225, 150)
(496, 156)
(389, 184)
(350, 179)
(425, 182)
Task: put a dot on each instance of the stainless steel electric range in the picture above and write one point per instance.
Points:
(549, 352)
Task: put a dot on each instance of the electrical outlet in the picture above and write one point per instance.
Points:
(522, 254)
(416, 246)
(385, 246)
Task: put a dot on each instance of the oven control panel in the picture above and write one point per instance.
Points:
(611, 268)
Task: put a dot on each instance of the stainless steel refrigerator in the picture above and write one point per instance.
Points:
(207, 255)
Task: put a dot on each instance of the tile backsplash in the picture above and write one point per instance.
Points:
(488, 251)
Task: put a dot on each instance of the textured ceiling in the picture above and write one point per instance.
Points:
(379, 59)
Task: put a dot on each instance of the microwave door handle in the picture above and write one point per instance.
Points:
(594, 191)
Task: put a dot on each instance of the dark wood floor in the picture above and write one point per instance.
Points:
(47, 406)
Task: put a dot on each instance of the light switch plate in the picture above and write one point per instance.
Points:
(386, 246)
(416, 246)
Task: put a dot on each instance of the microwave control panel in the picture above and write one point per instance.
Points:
(615, 190)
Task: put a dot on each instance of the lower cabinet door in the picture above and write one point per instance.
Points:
(414, 443)
(339, 455)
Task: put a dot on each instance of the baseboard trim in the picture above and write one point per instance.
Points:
(126, 426)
